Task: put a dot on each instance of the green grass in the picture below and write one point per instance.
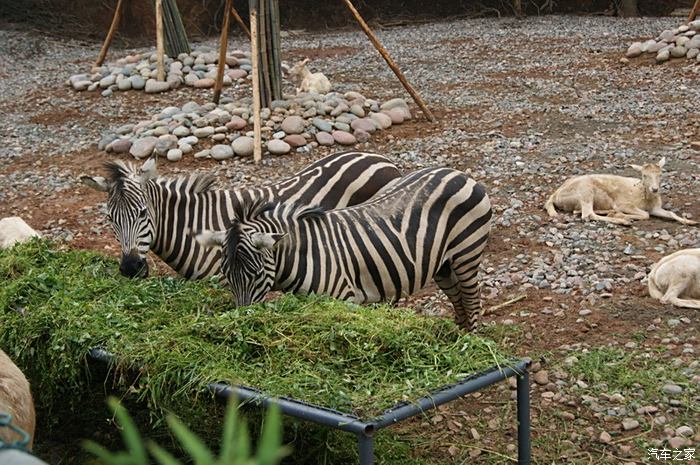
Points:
(178, 336)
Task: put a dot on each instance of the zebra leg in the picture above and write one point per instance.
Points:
(465, 269)
(447, 281)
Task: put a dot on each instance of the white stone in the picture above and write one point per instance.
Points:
(278, 147)
(221, 152)
(243, 146)
(14, 230)
(175, 154)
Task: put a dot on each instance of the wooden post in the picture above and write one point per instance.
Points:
(694, 11)
(159, 40)
(518, 7)
(223, 45)
(110, 35)
(240, 21)
(257, 144)
(382, 51)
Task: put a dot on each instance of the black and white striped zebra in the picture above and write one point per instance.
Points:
(151, 212)
(431, 224)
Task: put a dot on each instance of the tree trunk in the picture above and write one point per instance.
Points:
(628, 8)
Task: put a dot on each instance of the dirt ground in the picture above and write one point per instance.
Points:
(545, 326)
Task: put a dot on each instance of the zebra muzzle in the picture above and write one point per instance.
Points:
(133, 266)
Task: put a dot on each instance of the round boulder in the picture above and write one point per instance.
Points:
(293, 124)
(278, 147)
(344, 138)
(243, 146)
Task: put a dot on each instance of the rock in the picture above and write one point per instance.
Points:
(165, 143)
(81, 85)
(344, 138)
(236, 123)
(634, 50)
(221, 152)
(153, 86)
(667, 36)
(692, 53)
(366, 124)
(322, 124)
(397, 103)
(107, 81)
(341, 126)
(396, 115)
(672, 389)
(663, 55)
(684, 431)
(629, 424)
(605, 437)
(181, 131)
(678, 52)
(382, 120)
(124, 84)
(14, 230)
(357, 111)
(243, 146)
(174, 154)
(203, 154)
(295, 140)
(278, 147)
(137, 82)
(361, 135)
(647, 44)
(206, 131)
(541, 377)
(121, 145)
(143, 148)
(293, 124)
(204, 83)
(185, 148)
(324, 138)
(656, 46)
(236, 74)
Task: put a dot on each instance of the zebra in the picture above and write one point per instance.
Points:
(433, 223)
(152, 212)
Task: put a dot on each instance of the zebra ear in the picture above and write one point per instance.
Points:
(211, 238)
(265, 240)
(97, 182)
(148, 170)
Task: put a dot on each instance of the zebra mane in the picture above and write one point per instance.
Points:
(251, 210)
(203, 182)
(117, 170)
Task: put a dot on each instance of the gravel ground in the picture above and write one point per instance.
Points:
(522, 106)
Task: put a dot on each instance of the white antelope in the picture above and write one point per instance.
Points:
(675, 279)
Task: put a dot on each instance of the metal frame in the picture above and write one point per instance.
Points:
(365, 430)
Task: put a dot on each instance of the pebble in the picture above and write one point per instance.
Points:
(293, 124)
(153, 86)
(143, 148)
(324, 138)
(605, 437)
(541, 377)
(204, 83)
(295, 140)
(201, 133)
(629, 424)
(121, 146)
(344, 138)
(243, 146)
(221, 152)
(278, 147)
(174, 154)
(685, 431)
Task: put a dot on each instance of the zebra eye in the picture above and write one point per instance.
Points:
(143, 211)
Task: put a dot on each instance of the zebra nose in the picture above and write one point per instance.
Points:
(133, 266)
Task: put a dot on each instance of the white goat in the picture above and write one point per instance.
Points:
(675, 279)
(15, 399)
(310, 82)
(623, 199)
(13, 230)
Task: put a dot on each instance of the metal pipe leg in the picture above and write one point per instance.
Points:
(524, 419)
(366, 444)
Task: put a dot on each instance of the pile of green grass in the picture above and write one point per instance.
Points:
(56, 305)
(173, 337)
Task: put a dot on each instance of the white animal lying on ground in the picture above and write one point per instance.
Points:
(675, 279)
(13, 230)
(622, 199)
(15, 399)
(310, 82)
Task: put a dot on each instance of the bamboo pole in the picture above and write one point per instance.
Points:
(257, 144)
(276, 71)
(264, 52)
(159, 40)
(694, 11)
(223, 45)
(110, 35)
(389, 61)
(240, 21)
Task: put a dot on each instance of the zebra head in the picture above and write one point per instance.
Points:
(247, 261)
(128, 212)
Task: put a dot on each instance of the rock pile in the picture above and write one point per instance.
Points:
(682, 42)
(139, 72)
(299, 122)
